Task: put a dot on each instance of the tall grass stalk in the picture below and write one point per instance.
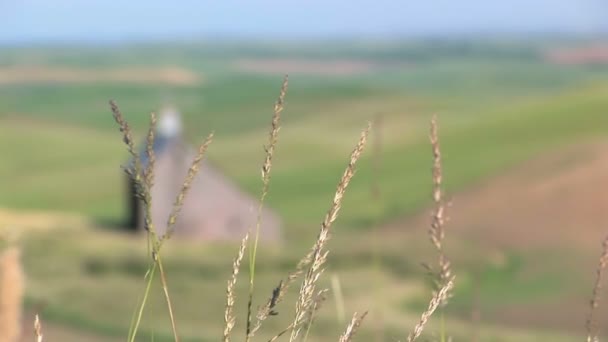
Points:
(442, 274)
(352, 327)
(38, 329)
(319, 254)
(149, 276)
(315, 307)
(266, 169)
(435, 302)
(144, 180)
(229, 317)
(278, 293)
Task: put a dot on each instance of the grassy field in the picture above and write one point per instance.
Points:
(498, 107)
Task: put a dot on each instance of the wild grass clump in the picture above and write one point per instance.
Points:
(310, 267)
(144, 180)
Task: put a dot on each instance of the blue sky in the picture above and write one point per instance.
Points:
(97, 20)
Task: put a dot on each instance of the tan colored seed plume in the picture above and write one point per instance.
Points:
(274, 131)
(319, 254)
(266, 168)
(314, 308)
(317, 302)
(124, 128)
(591, 324)
(38, 329)
(436, 230)
(229, 318)
(352, 327)
(433, 304)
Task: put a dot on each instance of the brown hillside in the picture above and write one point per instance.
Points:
(556, 203)
(556, 199)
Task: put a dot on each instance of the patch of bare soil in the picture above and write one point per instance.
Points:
(304, 66)
(170, 75)
(558, 199)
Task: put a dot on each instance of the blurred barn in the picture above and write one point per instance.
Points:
(214, 208)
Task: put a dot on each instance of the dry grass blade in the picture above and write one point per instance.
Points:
(319, 254)
(352, 327)
(192, 172)
(433, 304)
(317, 301)
(38, 329)
(591, 324)
(229, 317)
(266, 168)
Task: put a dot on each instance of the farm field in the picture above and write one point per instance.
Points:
(524, 147)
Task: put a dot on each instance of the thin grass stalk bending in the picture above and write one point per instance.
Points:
(266, 169)
(319, 254)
